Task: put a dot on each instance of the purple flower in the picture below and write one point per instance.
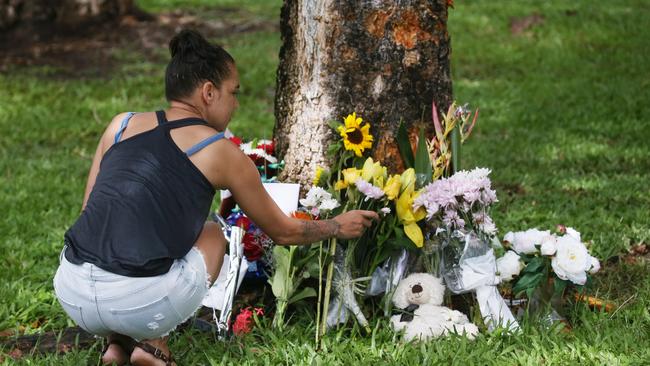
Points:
(369, 190)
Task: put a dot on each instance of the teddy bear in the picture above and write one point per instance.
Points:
(420, 296)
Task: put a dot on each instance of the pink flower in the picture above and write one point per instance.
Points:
(369, 190)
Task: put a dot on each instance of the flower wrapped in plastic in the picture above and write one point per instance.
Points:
(459, 207)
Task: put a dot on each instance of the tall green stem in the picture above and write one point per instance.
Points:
(328, 288)
(455, 149)
(320, 293)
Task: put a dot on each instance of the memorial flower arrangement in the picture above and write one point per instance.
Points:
(546, 262)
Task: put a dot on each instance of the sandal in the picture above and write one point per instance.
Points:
(124, 342)
(156, 352)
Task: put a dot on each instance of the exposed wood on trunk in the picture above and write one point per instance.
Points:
(385, 60)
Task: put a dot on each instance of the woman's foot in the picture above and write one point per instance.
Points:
(151, 353)
(114, 355)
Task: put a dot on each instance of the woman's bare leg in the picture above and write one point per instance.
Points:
(140, 357)
(117, 352)
(212, 245)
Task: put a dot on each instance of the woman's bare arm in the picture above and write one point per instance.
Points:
(243, 180)
(104, 143)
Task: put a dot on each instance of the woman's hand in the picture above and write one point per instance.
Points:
(352, 224)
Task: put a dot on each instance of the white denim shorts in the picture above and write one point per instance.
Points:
(142, 308)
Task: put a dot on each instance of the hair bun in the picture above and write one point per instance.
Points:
(187, 42)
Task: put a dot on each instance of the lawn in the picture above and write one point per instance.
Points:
(563, 107)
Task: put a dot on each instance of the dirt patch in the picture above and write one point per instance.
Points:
(95, 51)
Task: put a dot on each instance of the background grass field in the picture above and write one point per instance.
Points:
(563, 127)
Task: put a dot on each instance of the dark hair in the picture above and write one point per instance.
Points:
(194, 60)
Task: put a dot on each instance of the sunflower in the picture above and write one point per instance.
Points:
(356, 134)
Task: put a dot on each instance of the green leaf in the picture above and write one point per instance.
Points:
(400, 240)
(305, 293)
(559, 285)
(423, 169)
(455, 149)
(404, 146)
(535, 265)
(334, 124)
(280, 280)
(527, 281)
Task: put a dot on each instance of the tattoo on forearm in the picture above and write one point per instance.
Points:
(314, 231)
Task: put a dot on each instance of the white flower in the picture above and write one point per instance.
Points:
(485, 223)
(315, 196)
(595, 265)
(328, 204)
(548, 245)
(572, 260)
(525, 241)
(385, 210)
(509, 266)
(573, 233)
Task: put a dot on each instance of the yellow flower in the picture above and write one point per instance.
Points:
(350, 175)
(355, 136)
(414, 233)
(391, 189)
(373, 172)
(340, 184)
(408, 180)
(318, 175)
(408, 217)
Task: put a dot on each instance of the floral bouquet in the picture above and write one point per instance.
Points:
(256, 243)
(457, 206)
(545, 263)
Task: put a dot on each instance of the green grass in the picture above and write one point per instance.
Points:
(562, 126)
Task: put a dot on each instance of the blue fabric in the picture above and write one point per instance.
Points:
(196, 148)
(125, 122)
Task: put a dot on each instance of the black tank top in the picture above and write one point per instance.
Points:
(147, 207)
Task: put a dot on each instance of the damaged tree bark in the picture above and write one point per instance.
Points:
(384, 60)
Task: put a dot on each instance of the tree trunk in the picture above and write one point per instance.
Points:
(43, 18)
(385, 60)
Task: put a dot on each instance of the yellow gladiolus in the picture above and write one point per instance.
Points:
(350, 175)
(340, 184)
(414, 233)
(391, 189)
(403, 208)
(408, 180)
(408, 217)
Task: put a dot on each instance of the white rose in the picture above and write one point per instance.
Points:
(572, 260)
(509, 266)
(573, 233)
(595, 265)
(548, 245)
(525, 241)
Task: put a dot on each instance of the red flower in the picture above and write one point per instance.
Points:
(243, 222)
(236, 140)
(268, 148)
(253, 249)
(244, 321)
